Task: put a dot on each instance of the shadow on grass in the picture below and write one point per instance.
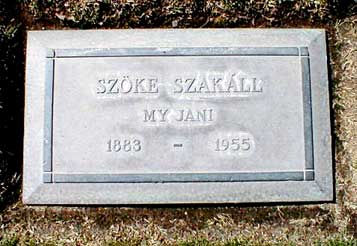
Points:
(11, 101)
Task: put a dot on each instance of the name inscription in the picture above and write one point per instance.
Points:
(231, 83)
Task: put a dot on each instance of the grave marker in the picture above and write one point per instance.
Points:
(177, 116)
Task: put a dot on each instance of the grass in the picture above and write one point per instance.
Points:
(199, 242)
(325, 224)
(9, 241)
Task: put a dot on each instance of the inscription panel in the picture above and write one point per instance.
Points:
(181, 117)
(207, 100)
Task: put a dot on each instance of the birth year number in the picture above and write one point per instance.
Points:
(123, 145)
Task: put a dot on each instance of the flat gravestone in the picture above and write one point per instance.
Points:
(177, 116)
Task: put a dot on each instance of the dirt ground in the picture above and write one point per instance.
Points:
(316, 224)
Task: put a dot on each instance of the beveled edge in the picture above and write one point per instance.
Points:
(34, 116)
(323, 162)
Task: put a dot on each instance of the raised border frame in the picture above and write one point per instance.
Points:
(48, 49)
(301, 52)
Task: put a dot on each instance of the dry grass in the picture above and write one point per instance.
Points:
(345, 105)
(99, 226)
(326, 224)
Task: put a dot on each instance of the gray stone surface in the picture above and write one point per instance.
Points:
(177, 116)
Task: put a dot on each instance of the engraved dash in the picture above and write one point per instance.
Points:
(178, 145)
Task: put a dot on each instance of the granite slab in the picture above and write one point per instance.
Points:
(177, 116)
